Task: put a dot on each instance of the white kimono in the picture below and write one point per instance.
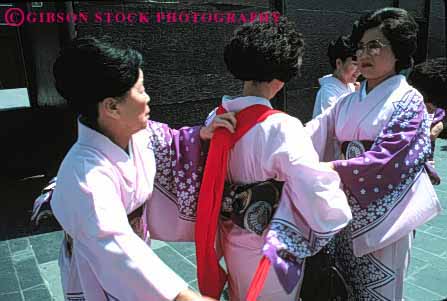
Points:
(388, 187)
(312, 207)
(98, 185)
(331, 90)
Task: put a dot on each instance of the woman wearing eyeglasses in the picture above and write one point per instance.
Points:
(384, 132)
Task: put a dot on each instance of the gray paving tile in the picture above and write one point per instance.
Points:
(184, 248)
(28, 273)
(51, 274)
(39, 293)
(178, 263)
(11, 297)
(46, 246)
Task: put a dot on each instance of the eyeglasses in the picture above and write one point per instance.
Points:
(372, 48)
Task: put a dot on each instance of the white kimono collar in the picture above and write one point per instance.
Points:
(388, 85)
(239, 103)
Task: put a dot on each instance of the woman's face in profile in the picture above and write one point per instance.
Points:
(135, 106)
(375, 57)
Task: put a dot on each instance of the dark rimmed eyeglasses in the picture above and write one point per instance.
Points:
(372, 48)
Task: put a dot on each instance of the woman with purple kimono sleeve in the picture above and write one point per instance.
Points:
(384, 132)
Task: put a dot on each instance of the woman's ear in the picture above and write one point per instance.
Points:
(109, 107)
(338, 64)
(277, 85)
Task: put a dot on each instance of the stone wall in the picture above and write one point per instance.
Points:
(184, 70)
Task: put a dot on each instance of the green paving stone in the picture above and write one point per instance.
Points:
(11, 297)
(193, 259)
(439, 221)
(28, 273)
(432, 279)
(184, 248)
(416, 265)
(435, 244)
(423, 228)
(46, 246)
(39, 293)
(4, 249)
(438, 232)
(6, 265)
(413, 292)
(19, 244)
(8, 283)
(157, 244)
(51, 274)
(424, 255)
(176, 262)
(194, 285)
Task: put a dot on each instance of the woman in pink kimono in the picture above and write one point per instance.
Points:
(108, 176)
(384, 132)
(281, 205)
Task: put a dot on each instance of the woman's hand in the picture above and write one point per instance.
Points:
(329, 165)
(226, 120)
(189, 295)
(436, 130)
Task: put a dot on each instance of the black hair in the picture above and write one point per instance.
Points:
(341, 48)
(430, 78)
(398, 26)
(90, 69)
(263, 51)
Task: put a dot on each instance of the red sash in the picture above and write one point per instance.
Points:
(210, 275)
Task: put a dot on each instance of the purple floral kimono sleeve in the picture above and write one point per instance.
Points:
(180, 160)
(397, 156)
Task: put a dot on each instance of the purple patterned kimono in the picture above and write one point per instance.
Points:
(388, 188)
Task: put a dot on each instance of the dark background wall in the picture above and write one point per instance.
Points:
(184, 70)
(184, 74)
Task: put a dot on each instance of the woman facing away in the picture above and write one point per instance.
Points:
(384, 132)
(286, 221)
(105, 198)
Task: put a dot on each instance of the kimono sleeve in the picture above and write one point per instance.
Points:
(124, 265)
(321, 131)
(312, 207)
(180, 157)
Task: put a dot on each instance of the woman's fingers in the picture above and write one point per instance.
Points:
(225, 123)
(230, 116)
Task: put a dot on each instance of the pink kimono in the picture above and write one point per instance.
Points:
(312, 207)
(98, 185)
(387, 185)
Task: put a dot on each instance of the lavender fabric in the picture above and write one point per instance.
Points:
(180, 162)
(287, 247)
(439, 116)
(395, 159)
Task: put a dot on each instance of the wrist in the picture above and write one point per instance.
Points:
(204, 133)
(187, 295)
